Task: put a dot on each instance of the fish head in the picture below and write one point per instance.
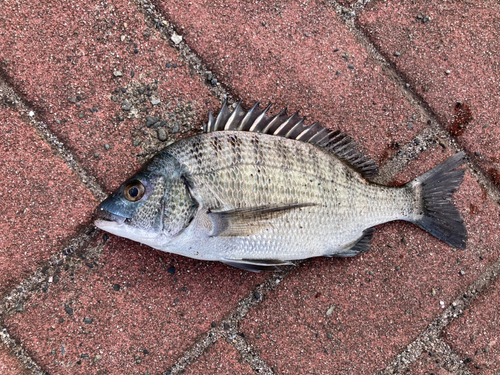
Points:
(153, 207)
(135, 209)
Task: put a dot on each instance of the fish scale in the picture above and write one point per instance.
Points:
(255, 192)
(336, 219)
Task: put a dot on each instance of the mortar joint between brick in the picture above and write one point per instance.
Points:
(427, 340)
(150, 10)
(29, 114)
(70, 254)
(250, 355)
(228, 329)
(413, 97)
(19, 353)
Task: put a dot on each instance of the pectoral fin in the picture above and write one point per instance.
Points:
(243, 222)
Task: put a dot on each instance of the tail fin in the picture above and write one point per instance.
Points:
(439, 216)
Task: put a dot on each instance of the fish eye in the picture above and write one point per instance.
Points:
(134, 191)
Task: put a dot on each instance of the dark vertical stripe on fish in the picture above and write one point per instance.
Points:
(197, 152)
(257, 149)
(235, 142)
(215, 143)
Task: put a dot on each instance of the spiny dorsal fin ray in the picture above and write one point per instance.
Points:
(235, 120)
(250, 117)
(276, 122)
(223, 117)
(288, 124)
(260, 123)
(257, 120)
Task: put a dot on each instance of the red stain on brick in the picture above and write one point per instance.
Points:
(473, 209)
(495, 175)
(462, 118)
(484, 194)
(388, 151)
(473, 77)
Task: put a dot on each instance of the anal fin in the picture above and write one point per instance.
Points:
(362, 245)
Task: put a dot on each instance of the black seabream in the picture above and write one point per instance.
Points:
(256, 192)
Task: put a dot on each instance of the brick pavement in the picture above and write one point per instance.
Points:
(89, 91)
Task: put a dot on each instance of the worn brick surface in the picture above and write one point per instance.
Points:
(298, 54)
(8, 364)
(428, 364)
(474, 336)
(220, 358)
(449, 53)
(131, 311)
(92, 72)
(355, 315)
(346, 4)
(43, 202)
(62, 56)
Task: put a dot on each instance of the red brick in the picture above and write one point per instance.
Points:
(57, 50)
(382, 300)
(220, 358)
(462, 38)
(286, 52)
(474, 336)
(43, 202)
(9, 365)
(153, 310)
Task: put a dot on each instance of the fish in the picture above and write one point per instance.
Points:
(257, 192)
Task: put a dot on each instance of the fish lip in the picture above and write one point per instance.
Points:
(104, 217)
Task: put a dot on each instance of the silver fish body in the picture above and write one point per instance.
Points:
(264, 195)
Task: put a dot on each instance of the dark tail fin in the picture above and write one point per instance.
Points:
(439, 216)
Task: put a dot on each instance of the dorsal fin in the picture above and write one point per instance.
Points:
(293, 127)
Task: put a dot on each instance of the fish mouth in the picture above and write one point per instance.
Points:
(106, 219)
